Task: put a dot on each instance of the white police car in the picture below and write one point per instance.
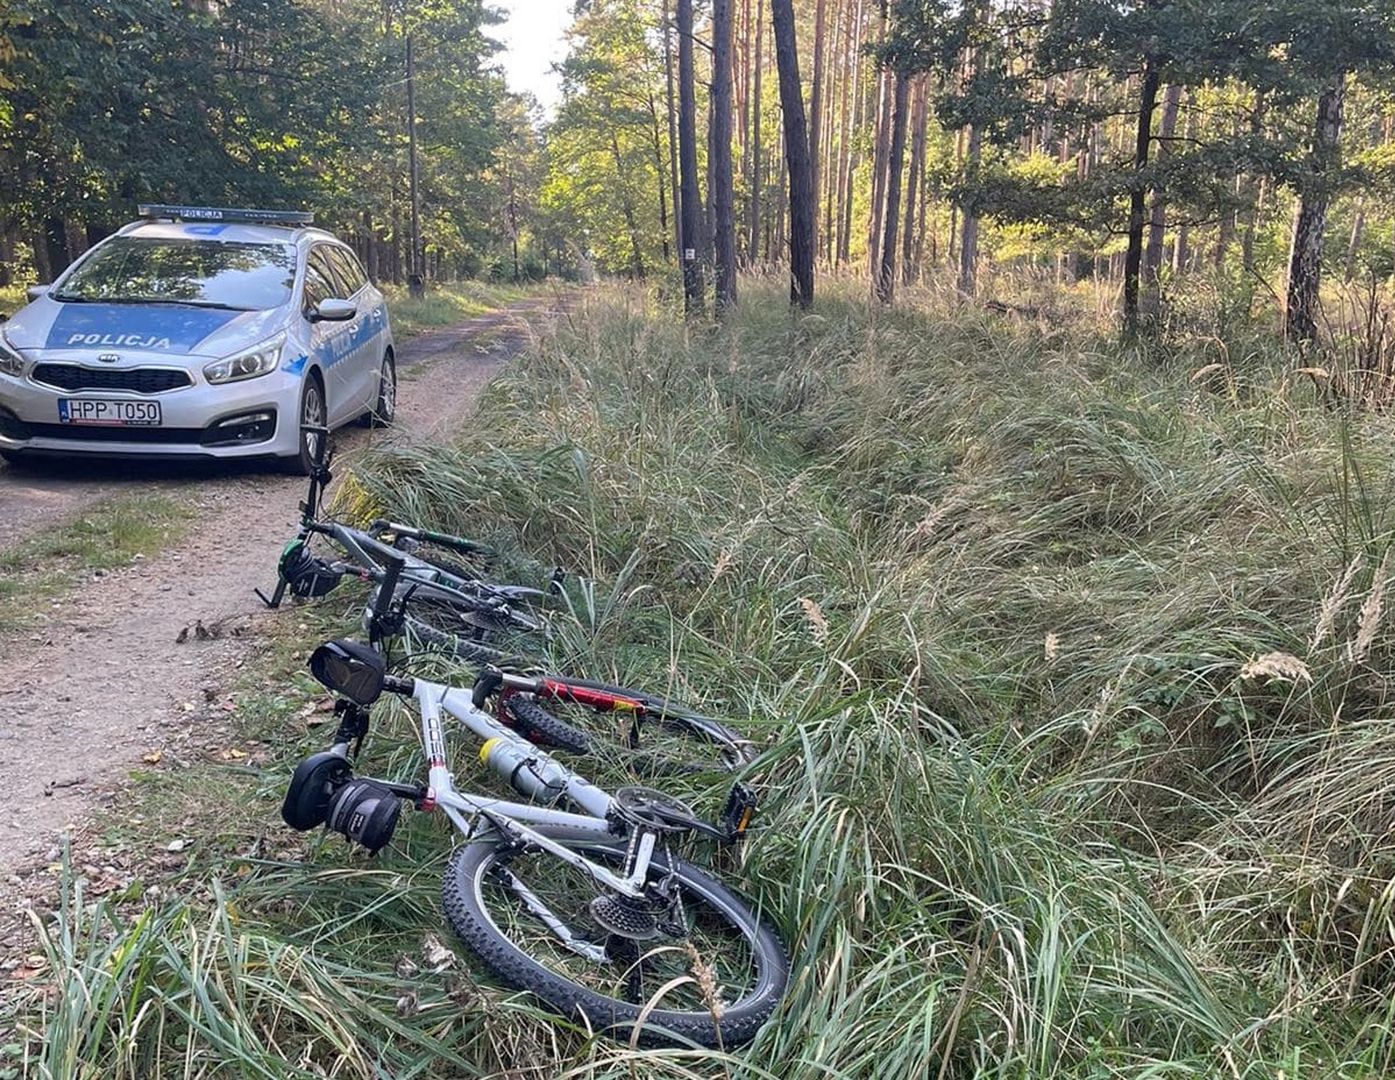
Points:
(198, 331)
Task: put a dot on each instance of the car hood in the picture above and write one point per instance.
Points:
(159, 329)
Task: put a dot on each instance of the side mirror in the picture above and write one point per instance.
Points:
(34, 292)
(350, 668)
(333, 310)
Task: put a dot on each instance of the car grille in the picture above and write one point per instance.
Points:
(141, 380)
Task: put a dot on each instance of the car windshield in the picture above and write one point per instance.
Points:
(204, 273)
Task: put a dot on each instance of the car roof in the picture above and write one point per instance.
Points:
(227, 232)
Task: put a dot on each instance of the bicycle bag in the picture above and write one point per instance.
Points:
(304, 574)
(366, 812)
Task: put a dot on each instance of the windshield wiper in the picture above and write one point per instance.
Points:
(74, 299)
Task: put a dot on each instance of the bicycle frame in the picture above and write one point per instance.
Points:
(515, 818)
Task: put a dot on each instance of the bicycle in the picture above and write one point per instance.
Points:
(576, 895)
(429, 598)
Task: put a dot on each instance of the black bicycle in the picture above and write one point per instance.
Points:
(426, 585)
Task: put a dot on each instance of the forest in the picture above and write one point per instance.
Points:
(1173, 154)
(984, 407)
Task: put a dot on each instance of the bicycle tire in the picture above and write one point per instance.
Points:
(734, 748)
(424, 553)
(463, 900)
(539, 726)
(467, 633)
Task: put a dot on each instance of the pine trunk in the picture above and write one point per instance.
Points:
(968, 236)
(886, 276)
(1310, 222)
(796, 156)
(816, 110)
(912, 230)
(688, 165)
(1133, 258)
(723, 226)
(672, 136)
(1151, 302)
(753, 208)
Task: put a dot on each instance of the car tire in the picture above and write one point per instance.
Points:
(313, 410)
(385, 406)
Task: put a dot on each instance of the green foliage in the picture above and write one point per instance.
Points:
(260, 102)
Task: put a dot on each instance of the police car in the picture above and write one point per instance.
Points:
(198, 331)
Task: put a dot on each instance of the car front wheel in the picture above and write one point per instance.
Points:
(312, 414)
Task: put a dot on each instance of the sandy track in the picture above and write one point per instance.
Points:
(101, 682)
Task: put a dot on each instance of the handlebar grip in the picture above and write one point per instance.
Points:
(396, 685)
(489, 681)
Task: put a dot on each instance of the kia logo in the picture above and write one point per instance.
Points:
(108, 357)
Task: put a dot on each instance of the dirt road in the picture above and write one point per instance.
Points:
(101, 682)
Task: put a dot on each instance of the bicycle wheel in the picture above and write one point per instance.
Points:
(466, 565)
(652, 737)
(714, 981)
(477, 634)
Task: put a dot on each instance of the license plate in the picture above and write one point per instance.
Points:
(109, 412)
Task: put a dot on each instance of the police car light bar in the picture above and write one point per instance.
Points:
(224, 213)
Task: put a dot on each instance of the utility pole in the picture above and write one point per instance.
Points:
(416, 281)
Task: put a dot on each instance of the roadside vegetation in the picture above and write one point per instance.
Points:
(449, 304)
(1068, 659)
(118, 530)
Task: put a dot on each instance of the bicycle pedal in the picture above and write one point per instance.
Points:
(739, 812)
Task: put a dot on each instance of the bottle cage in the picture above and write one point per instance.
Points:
(306, 575)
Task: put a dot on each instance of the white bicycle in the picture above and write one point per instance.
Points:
(576, 895)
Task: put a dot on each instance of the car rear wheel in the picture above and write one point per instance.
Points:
(385, 407)
(313, 413)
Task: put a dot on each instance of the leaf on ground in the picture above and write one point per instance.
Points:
(434, 955)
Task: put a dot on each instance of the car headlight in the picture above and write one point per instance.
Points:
(11, 363)
(248, 365)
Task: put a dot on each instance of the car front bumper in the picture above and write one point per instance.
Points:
(252, 418)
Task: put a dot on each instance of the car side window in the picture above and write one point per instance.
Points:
(350, 272)
(320, 282)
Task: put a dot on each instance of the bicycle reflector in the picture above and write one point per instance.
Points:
(304, 574)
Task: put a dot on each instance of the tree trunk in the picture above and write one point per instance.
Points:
(1305, 259)
(915, 180)
(753, 210)
(1151, 302)
(672, 137)
(886, 277)
(816, 109)
(628, 209)
(693, 300)
(1133, 259)
(796, 156)
(659, 172)
(853, 124)
(968, 236)
(724, 228)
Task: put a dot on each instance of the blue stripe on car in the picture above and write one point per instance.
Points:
(336, 348)
(155, 328)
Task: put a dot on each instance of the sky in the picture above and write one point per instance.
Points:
(532, 40)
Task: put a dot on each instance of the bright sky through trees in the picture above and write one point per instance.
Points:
(533, 41)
